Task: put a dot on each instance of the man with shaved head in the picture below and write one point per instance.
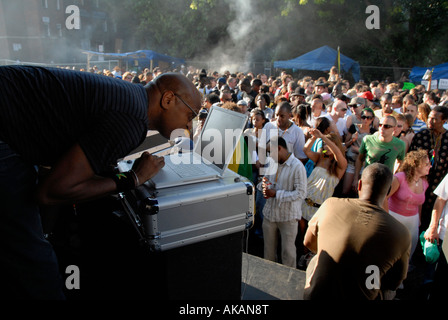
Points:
(381, 147)
(362, 252)
(78, 124)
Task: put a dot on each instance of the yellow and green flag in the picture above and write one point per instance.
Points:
(241, 160)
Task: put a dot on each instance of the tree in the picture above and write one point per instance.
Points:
(170, 27)
(410, 31)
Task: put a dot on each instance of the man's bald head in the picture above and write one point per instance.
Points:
(179, 84)
(390, 119)
(339, 108)
(376, 180)
(173, 102)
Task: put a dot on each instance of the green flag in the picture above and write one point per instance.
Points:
(408, 86)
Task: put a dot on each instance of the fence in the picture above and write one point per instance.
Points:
(371, 73)
(368, 73)
(255, 67)
(106, 64)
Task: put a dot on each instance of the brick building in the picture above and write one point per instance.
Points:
(46, 31)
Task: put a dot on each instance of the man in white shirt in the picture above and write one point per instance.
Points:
(439, 222)
(288, 130)
(436, 233)
(285, 189)
(317, 110)
(337, 116)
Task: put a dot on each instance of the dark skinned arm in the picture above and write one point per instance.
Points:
(72, 178)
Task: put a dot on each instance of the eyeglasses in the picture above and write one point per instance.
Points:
(195, 113)
(344, 109)
(386, 126)
(363, 117)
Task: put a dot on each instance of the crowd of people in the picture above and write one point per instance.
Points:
(324, 133)
(337, 129)
(334, 129)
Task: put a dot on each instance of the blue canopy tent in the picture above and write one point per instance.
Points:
(440, 72)
(321, 59)
(144, 58)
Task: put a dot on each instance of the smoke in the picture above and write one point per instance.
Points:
(248, 33)
(242, 28)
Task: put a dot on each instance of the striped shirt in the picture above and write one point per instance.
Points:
(45, 111)
(290, 183)
(418, 125)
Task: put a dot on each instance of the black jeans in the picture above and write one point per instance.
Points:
(28, 264)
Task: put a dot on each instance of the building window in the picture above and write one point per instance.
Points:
(46, 29)
(59, 29)
(17, 46)
(45, 4)
(58, 5)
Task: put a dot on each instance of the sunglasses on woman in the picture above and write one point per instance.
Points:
(364, 117)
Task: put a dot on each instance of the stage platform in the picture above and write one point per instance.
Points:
(267, 280)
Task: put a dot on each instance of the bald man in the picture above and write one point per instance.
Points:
(382, 147)
(362, 252)
(78, 124)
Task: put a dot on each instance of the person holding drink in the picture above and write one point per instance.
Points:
(285, 191)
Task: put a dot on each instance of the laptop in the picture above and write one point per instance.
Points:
(211, 154)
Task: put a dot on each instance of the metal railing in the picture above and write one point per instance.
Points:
(106, 64)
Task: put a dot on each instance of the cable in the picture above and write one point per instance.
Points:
(247, 262)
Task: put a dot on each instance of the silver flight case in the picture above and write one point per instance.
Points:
(178, 216)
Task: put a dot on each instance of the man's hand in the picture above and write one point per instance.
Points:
(269, 193)
(147, 166)
(432, 235)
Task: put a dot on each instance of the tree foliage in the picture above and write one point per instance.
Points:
(411, 31)
(170, 26)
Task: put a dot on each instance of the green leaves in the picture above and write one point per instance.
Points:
(411, 32)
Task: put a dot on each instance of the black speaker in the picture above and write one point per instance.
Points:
(113, 264)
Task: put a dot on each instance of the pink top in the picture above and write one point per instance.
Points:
(404, 201)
